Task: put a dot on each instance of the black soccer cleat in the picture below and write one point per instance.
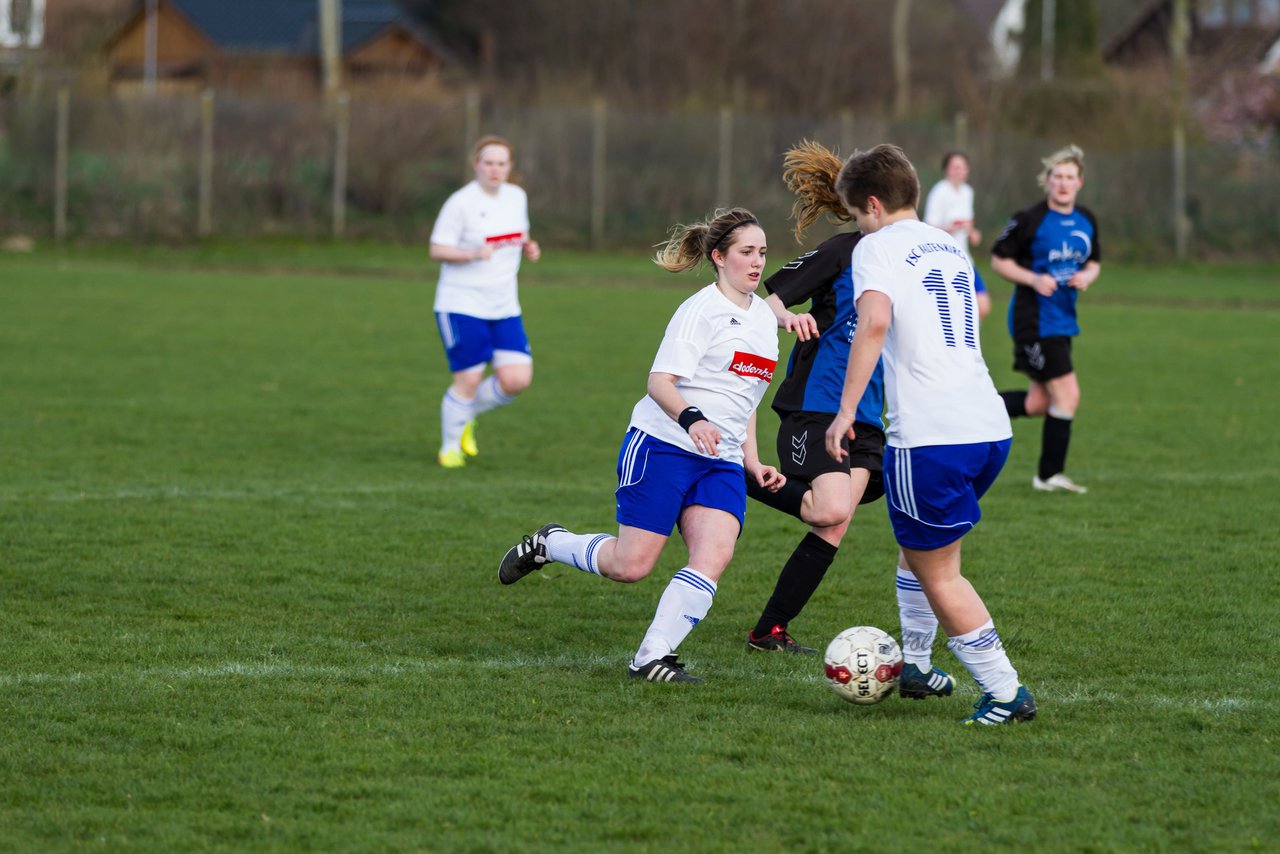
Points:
(665, 669)
(527, 555)
(777, 641)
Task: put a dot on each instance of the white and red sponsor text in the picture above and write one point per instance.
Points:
(752, 366)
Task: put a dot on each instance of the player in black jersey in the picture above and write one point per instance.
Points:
(819, 490)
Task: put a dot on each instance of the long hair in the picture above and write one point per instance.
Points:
(810, 171)
(883, 172)
(687, 245)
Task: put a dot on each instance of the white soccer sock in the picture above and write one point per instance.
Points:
(580, 550)
(981, 652)
(455, 413)
(490, 396)
(919, 625)
(684, 603)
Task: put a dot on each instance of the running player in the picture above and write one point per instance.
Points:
(1052, 252)
(948, 434)
(479, 238)
(690, 441)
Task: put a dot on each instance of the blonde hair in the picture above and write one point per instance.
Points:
(810, 171)
(687, 245)
(1069, 154)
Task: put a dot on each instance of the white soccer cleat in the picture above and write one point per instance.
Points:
(1058, 483)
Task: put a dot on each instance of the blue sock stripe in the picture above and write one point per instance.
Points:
(591, 553)
(697, 582)
(907, 584)
(987, 639)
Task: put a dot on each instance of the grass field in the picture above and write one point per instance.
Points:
(242, 608)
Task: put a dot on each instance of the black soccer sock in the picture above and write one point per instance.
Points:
(800, 576)
(1015, 403)
(788, 499)
(1056, 437)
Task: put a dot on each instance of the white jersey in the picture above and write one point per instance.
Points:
(470, 219)
(937, 388)
(947, 204)
(724, 357)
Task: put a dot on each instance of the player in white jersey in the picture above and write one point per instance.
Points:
(690, 440)
(480, 237)
(948, 433)
(949, 206)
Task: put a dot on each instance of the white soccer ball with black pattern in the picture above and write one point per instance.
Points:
(863, 664)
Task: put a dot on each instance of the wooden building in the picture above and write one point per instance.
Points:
(260, 47)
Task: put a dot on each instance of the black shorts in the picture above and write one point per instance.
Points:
(1044, 359)
(802, 450)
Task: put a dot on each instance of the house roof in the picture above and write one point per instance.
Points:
(293, 26)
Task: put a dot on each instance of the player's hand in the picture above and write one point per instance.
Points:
(769, 477)
(706, 438)
(975, 237)
(1080, 281)
(482, 253)
(803, 325)
(532, 250)
(1045, 285)
(841, 428)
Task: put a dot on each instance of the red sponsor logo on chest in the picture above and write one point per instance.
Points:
(497, 241)
(753, 366)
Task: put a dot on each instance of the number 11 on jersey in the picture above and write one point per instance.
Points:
(962, 290)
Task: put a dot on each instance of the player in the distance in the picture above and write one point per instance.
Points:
(690, 440)
(1052, 252)
(948, 434)
(949, 206)
(479, 238)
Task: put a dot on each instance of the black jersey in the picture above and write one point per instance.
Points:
(816, 369)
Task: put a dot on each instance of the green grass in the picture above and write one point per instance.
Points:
(242, 608)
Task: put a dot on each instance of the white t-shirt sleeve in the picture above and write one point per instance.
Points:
(450, 224)
(683, 344)
(934, 212)
(872, 270)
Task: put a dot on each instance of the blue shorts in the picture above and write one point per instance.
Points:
(656, 481)
(472, 342)
(933, 491)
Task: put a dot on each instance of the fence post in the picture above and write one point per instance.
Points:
(846, 131)
(599, 118)
(341, 131)
(962, 131)
(204, 206)
(63, 133)
(723, 186)
(471, 129)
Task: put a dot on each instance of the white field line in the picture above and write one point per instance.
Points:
(169, 493)
(269, 670)
(172, 493)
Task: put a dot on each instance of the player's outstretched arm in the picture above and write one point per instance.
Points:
(875, 310)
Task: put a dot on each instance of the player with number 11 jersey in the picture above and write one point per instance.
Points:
(937, 387)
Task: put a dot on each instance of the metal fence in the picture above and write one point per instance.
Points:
(80, 168)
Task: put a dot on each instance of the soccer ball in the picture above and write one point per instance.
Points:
(863, 664)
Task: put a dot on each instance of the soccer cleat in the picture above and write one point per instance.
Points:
(1058, 483)
(451, 459)
(665, 669)
(915, 684)
(527, 555)
(468, 440)
(776, 641)
(991, 712)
